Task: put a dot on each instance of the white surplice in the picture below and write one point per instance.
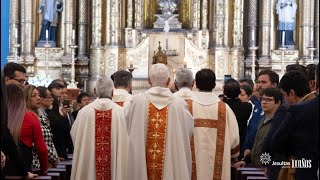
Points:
(184, 92)
(205, 106)
(83, 137)
(121, 95)
(177, 158)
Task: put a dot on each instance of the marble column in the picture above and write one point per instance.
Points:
(130, 14)
(138, 7)
(28, 32)
(306, 11)
(237, 35)
(82, 30)
(196, 15)
(252, 22)
(68, 8)
(316, 29)
(14, 24)
(265, 32)
(219, 23)
(236, 52)
(96, 49)
(204, 16)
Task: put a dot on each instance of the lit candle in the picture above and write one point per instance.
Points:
(47, 34)
(283, 37)
(16, 34)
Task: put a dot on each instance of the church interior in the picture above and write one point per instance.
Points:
(94, 38)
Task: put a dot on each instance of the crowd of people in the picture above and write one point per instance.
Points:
(184, 133)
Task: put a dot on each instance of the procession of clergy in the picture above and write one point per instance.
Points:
(183, 135)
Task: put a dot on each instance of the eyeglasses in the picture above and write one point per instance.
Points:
(267, 100)
(21, 81)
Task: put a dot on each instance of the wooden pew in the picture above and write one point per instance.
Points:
(54, 175)
(245, 174)
(68, 165)
(62, 172)
(256, 178)
(22, 177)
(238, 171)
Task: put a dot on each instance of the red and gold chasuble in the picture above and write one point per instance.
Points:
(120, 103)
(103, 144)
(156, 141)
(220, 125)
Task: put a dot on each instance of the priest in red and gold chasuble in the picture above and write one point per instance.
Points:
(160, 127)
(103, 144)
(100, 138)
(156, 141)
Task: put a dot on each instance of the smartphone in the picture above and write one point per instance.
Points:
(66, 103)
(227, 77)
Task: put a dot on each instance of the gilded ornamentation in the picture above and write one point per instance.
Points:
(185, 13)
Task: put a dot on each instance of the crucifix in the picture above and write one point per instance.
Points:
(166, 27)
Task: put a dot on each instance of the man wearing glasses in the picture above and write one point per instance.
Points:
(270, 101)
(15, 74)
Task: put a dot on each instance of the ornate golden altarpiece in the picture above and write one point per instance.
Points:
(215, 34)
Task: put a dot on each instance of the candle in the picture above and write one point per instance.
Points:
(283, 37)
(131, 62)
(252, 36)
(311, 38)
(47, 34)
(16, 34)
(184, 64)
(73, 34)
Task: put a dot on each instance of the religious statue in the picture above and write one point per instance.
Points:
(286, 9)
(50, 17)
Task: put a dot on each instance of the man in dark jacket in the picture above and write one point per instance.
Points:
(298, 136)
(242, 110)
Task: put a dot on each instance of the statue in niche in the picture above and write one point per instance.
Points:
(50, 10)
(286, 9)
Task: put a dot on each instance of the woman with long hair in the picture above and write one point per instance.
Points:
(45, 103)
(25, 128)
(8, 146)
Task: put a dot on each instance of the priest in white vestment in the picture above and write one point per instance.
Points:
(184, 82)
(216, 134)
(123, 88)
(160, 128)
(100, 138)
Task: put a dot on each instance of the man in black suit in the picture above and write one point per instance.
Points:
(242, 110)
(298, 136)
